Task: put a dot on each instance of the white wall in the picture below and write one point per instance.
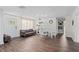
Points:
(75, 17)
(53, 27)
(76, 28)
(1, 26)
(12, 29)
(68, 26)
(46, 26)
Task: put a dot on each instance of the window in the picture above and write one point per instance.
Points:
(27, 24)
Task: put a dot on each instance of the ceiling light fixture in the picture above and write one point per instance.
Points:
(22, 7)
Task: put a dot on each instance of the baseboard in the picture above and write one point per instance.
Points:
(15, 37)
(76, 41)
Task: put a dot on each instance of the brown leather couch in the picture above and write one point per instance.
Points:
(26, 33)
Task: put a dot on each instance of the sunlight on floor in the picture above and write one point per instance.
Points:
(64, 41)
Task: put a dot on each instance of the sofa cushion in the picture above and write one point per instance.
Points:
(29, 30)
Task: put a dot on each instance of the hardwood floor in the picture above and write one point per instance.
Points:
(39, 44)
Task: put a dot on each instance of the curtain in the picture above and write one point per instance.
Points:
(27, 24)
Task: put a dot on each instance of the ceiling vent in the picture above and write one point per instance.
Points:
(22, 7)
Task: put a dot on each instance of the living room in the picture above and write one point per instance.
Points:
(39, 28)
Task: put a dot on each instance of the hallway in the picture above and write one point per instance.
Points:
(39, 44)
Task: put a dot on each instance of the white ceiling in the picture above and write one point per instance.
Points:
(38, 11)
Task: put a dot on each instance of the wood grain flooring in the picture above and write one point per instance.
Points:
(39, 44)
